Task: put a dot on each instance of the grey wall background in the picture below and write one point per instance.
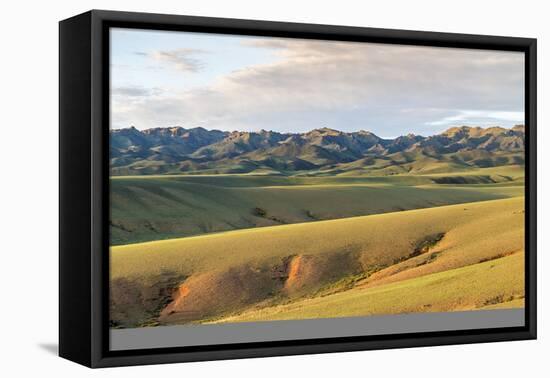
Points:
(232, 333)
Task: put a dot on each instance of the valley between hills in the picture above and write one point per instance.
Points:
(214, 227)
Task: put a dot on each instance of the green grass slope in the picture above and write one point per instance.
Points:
(163, 207)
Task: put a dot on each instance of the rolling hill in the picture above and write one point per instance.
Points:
(214, 226)
(161, 207)
(466, 256)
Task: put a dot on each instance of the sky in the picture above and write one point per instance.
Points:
(246, 83)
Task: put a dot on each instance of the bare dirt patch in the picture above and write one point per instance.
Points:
(212, 293)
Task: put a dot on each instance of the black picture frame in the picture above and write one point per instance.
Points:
(84, 187)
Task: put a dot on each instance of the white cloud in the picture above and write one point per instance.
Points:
(181, 59)
(342, 85)
(469, 116)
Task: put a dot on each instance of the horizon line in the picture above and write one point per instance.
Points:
(315, 129)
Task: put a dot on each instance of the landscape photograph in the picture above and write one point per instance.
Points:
(263, 179)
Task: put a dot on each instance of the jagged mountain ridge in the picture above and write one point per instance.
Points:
(320, 151)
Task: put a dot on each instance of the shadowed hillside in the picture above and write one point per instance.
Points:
(160, 207)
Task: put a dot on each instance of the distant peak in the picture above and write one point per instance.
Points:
(457, 129)
(175, 130)
(492, 128)
(518, 128)
(127, 130)
(467, 130)
(324, 130)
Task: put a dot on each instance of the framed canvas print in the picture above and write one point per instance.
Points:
(234, 188)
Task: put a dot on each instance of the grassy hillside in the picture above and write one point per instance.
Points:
(229, 272)
(488, 285)
(419, 163)
(211, 226)
(162, 207)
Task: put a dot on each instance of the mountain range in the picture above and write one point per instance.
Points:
(322, 151)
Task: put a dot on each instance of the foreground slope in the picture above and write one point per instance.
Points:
(492, 284)
(206, 277)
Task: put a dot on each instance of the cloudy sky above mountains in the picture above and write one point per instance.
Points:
(161, 79)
